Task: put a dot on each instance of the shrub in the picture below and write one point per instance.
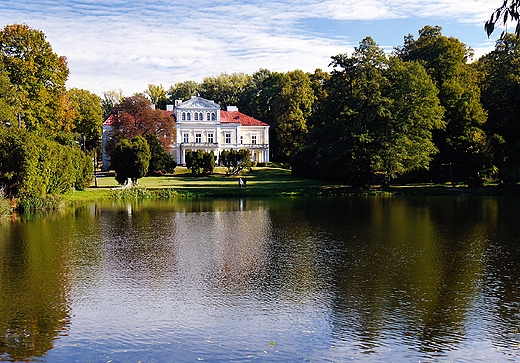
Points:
(32, 166)
(235, 160)
(131, 159)
(199, 162)
(160, 161)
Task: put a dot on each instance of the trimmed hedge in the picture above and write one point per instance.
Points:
(32, 166)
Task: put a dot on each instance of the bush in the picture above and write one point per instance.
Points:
(32, 166)
(199, 162)
(235, 160)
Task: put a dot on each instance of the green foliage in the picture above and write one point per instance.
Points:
(235, 160)
(157, 96)
(10, 105)
(131, 193)
(89, 116)
(31, 166)
(131, 159)
(110, 100)
(226, 89)
(445, 60)
(183, 91)
(160, 162)
(510, 10)
(377, 116)
(43, 203)
(39, 74)
(200, 163)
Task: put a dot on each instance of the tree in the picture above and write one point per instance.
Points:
(291, 109)
(376, 116)
(500, 87)
(10, 106)
(199, 162)
(235, 160)
(510, 10)
(160, 162)
(110, 100)
(39, 74)
(88, 120)
(131, 159)
(226, 89)
(157, 96)
(134, 116)
(445, 60)
(183, 91)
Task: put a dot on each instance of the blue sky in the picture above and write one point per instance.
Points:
(125, 44)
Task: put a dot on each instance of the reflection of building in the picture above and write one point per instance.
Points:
(200, 124)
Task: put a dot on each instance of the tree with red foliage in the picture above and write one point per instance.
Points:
(134, 116)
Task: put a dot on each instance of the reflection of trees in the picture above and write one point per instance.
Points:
(33, 306)
(398, 269)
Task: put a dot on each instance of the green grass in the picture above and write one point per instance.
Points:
(261, 182)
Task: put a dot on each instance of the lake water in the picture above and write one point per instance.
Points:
(429, 279)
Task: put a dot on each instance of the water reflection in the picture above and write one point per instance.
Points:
(325, 279)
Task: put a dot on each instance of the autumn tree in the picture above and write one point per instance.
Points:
(134, 116)
(88, 118)
(40, 75)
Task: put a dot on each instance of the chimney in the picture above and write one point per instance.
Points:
(169, 107)
(232, 109)
(177, 102)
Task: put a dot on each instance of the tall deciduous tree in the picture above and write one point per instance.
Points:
(157, 95)
(226, 89)
(182, 91)
(10, 106)
(89, 116)
(110, 100)
(500, 85)
(377, 117)
(39, 74)
(463, 145)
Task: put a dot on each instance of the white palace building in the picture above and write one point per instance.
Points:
(200, 124)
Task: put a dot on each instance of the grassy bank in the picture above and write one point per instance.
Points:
(261, 182)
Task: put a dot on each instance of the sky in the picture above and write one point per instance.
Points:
(128, 44)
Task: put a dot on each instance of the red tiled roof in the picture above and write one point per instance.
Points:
(238, 117)
(110, 120)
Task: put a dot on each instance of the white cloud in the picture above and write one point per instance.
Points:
(115, 44)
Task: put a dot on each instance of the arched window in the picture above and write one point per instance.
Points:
(213, 116)
(201, 116)
(188, 116)
(196, 116)
(184, 116)
(208, 117)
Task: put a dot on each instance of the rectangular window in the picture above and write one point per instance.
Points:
(228, 138)
(210, 138)
(186, 137)
(241, 139)
(253, 139)
(198, 137)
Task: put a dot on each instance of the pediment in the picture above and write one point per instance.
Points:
(198, 103)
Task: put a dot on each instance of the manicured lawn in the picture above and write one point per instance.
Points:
(261, 182)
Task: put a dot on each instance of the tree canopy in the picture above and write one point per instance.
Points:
(40, 75)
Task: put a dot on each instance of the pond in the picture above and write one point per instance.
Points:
(428, 279)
